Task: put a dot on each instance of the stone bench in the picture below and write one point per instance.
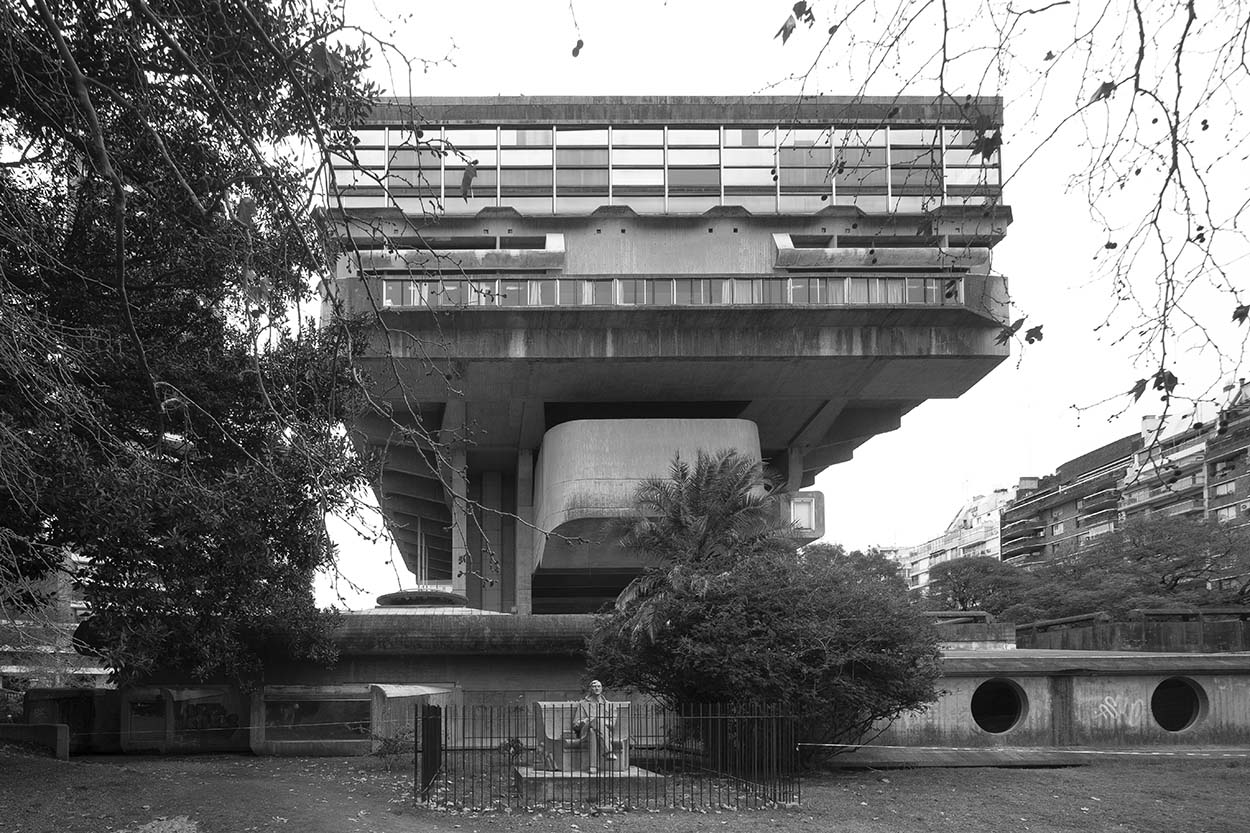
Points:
(565, 751)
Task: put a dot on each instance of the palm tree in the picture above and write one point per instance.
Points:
(695, 524)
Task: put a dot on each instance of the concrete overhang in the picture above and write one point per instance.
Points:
(581, 492)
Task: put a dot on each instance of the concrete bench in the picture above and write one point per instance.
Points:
(565, 751)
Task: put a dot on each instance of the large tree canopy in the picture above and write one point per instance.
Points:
(158, 415)
(732, 613)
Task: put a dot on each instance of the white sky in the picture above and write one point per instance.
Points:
(902, 488)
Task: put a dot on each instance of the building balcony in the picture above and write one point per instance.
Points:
(1099, 517)
(1023, 526)
(1098, 501)
(1141, 498)
(1193, 506)
(1022, 546)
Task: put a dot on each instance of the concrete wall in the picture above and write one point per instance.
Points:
(590, 470)
(1202, 636)
(1116, 703)
(52, 736)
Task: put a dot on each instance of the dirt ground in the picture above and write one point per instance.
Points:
(236, 794)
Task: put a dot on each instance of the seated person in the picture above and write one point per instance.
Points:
(596, 719)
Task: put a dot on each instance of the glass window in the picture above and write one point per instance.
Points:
(483, 293)
(859, 136)
(693, 178)
(1223, 489)
(971, 176)
(525, 156)
(750, 176)
(361, 158)
(635, 176)
(513, 293)
(647, 156)
(600, 293)
(409, 158)
(862, 178)
(569, 292)
(915, 157)
(773, 291)
(805, 157)
(907, 136)
(804, 290)
(510, 137)
(483, 157)
(803, 513)
(835, 291)
(393, 293)
(748, 156)
(687, 156)
(661, 292)
(805, 137)
(462, 138)
(892, 290)
(581, 156)
(690, 137)
(806, 178)
(957, 156)
(858, 157)
(688, 291)
(570, 137)
(525, 177)
(637, 136)
(859, 290)
(749, 137)
(741, 291)
(596, 178)
(915, 290)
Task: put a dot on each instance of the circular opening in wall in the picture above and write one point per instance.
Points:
(998, 705)
(1177, 703)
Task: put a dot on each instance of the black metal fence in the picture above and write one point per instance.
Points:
(632, 755)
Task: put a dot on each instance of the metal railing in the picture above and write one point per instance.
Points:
(700, 757)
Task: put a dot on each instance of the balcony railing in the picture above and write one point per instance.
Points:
(943, 289)
(1022, 546)
(1098, 500)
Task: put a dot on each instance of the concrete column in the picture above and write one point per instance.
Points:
(524, 531)
(460, 561)
(490, 557)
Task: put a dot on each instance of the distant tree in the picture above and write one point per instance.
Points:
(748, 619)
(977, 583)
(1152, 562)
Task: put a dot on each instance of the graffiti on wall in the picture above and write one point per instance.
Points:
(1119, 710)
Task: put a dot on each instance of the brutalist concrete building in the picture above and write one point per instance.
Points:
(570, 291)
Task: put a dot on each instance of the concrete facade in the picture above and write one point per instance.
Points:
(815, 270)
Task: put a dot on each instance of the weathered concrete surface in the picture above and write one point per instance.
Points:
(51, 736)
(1099, 699)
(590, 470)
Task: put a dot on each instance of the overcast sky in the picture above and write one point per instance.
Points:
(1025, 418)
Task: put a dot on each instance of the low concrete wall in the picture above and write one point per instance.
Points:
(92, 714)
(51, 736)
(1102, 700)
(1200, 636)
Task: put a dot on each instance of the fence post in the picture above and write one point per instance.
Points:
(429, 731)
